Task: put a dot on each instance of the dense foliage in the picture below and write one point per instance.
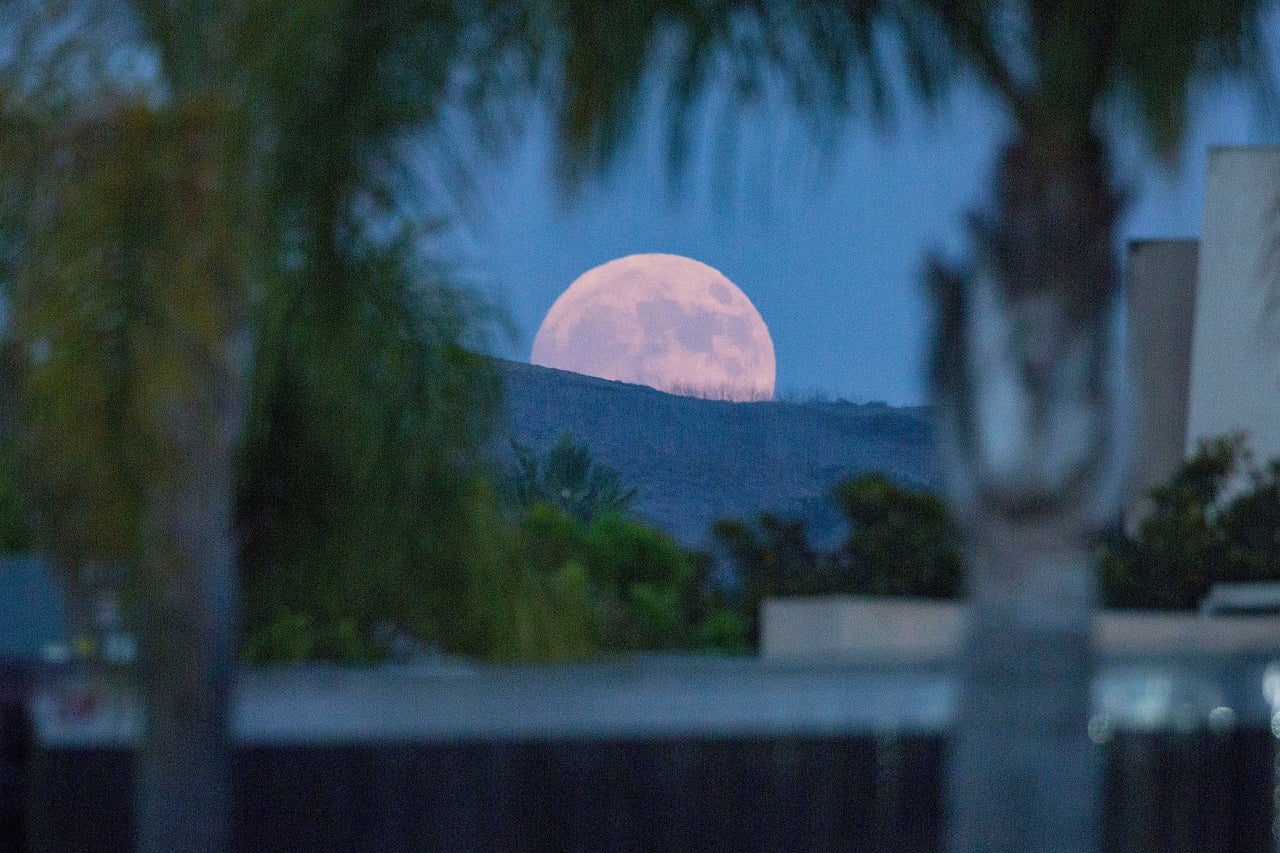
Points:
(567, 478)
(236, 248)
(1217, 520)
(646, 593)
(898, 542)
(457, 581)
(561, 578)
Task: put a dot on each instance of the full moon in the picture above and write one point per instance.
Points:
(665, 321)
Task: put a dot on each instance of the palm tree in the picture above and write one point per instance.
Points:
(569, 479)
(184, 187)
(1022, 353)
(1022, 375)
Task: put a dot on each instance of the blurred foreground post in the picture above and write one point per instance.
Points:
(1025, 385)
(188, 636)
(188, 606)
(1027, 421)
(130, 294)
(1024, 774)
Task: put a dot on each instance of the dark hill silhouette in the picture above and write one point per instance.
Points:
(695, 461)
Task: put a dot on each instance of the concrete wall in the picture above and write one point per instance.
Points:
(1160, 298)
(1235, 363)
(920, 631)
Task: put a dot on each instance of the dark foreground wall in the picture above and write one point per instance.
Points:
(578, 795)
(1201, 792)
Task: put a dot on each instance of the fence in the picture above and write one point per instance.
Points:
(666, 754)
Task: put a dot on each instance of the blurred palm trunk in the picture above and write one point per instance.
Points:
(1026, 419)
(194, 398)
(183, 786)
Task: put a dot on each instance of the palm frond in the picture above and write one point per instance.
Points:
(599, 68)
(1161, 48)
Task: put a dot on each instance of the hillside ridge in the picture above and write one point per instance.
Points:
(694, 461)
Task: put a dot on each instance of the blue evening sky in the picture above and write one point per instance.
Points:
(830, 248)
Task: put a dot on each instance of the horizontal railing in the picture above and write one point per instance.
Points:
(662, 753)
(670, 696)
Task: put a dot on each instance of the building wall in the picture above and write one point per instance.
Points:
(1160, 298)
(1235, 362)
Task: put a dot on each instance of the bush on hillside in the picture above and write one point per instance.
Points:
(900, 541)
(485, 599)
(568, 478)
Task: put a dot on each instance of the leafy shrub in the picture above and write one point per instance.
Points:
(466, 587)
(646, 593)
(568, 479)
(1196, 534)
(622, 553)
(899, 542)
(724, 630)
(295, 637)
(358, 498)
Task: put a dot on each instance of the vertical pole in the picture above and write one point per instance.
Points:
(187, 652)
(1024, 774)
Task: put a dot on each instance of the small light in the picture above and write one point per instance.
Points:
(1222, 719)
(1275, 724)
(56, 653)
(1271, 683)
(120, 648)
(1099, 728)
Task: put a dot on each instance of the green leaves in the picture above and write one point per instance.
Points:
(250, 207)
(1058, 66)
(1061, 66)
(125, 295)
(644, 592)
(898, 542)
(599, 64)
(1161, 48)
(568, 479)
(1196, 535)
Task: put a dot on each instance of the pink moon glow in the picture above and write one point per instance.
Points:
(665, 321)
